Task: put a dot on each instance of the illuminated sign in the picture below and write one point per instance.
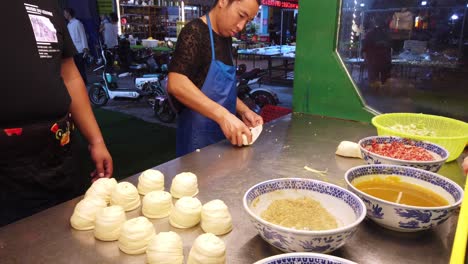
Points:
(281, 3)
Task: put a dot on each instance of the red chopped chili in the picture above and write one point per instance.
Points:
(400, 150)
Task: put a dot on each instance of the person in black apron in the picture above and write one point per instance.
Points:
(206, 85)
(43, 97)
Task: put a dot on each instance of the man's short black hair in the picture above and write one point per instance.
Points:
(259, 2)
(70, 11)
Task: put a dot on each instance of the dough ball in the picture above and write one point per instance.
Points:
(85, 213)
(165, 248)
(157, 204)
(215, 218)
(108, 223)
(135, 235)
(184, 184)
(150, 180)
(348, 149)
(186, 212)
(102, 188)
(126, 195)
(207, 248)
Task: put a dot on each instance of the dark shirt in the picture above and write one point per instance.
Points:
(377, 46)
(192, 56)
(35, 41)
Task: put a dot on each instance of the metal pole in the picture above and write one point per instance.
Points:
(460, 42)
(281, 34)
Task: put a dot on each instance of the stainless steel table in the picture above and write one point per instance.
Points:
(226, 172)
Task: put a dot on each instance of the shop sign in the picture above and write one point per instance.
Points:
(281, 3)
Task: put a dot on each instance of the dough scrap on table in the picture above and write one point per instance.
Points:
(348, 149)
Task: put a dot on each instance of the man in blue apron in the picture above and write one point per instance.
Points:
(203, 78)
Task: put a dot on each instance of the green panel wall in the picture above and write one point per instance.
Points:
(321, 84)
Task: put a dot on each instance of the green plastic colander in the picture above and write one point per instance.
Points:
(449, 133)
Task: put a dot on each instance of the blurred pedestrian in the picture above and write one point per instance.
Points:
(78, 36)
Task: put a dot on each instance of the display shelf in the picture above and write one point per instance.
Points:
(160, 21)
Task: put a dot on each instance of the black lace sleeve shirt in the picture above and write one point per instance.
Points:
(192, 56)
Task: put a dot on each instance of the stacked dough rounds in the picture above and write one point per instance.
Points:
(186, 212)
(215, 218)
(184, 184)
(126, 195)
(165, 248)
(108, 223)
(207, 248)
(157, 204)
(150, 180)
(102, 188)
(135, 235)
(85, 213)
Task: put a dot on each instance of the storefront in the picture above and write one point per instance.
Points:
(157, 19)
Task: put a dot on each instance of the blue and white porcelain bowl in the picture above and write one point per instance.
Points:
(304, 258)
(440, 154)
(406, 218)
(348, 210)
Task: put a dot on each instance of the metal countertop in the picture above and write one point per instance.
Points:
(225, 172)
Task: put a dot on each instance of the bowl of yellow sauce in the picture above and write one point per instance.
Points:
(303, 215)
(404, 198)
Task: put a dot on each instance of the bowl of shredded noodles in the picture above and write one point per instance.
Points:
(451, 134)
(303, 215)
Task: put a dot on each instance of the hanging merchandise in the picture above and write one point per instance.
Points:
(402, 20)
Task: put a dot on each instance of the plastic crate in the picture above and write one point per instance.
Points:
(271, 112)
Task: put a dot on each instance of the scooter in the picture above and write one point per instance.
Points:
(256, 98)
(162, 105)
(108, 88)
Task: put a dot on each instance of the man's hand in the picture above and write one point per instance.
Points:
(233, 128)
(102, 160)
(251, 119)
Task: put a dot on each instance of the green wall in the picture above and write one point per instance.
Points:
(321, 84)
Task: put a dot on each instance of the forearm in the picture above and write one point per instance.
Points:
(80, 108)
(241, 108)
(187, 93)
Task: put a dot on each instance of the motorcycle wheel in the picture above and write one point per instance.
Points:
(250, 103)
(164, 112)
(263, 98)
(97, 96)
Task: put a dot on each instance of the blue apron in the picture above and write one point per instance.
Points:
(195, 131)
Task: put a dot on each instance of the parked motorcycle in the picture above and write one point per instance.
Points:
(124, 85)
(162, 105)
(256, 98)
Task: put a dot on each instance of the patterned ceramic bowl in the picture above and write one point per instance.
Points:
(345, 206)
(440, 154)
(304, 258)
(405, 218)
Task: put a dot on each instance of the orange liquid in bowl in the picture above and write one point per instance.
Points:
(393, 189)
